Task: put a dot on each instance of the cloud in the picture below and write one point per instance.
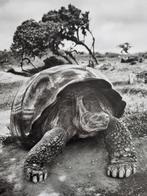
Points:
(3, 2)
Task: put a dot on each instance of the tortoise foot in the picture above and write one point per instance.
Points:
(121, 170)
(35, 173)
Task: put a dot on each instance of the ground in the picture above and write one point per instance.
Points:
(80, 169)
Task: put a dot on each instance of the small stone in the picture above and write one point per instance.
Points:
(92, 188)
(12, 159)
(92, 162)
(116, 154)
(34, 164)
(127, 149)
(89, 175)
(1, 151)
(79, 190)
(62, 178)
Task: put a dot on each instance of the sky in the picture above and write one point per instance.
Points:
(112, 21)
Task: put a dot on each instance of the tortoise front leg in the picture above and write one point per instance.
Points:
(42, 153)
(122, 155)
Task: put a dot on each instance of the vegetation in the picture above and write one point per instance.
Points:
(125, 47)
(69, 24)
(6, 57)
(32, 39)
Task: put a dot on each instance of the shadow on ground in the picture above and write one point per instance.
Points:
(78, 171)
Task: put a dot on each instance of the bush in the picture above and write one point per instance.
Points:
(53, 61)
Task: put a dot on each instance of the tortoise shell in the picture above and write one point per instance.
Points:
(41, 90)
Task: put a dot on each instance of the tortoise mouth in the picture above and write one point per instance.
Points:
(93, 122)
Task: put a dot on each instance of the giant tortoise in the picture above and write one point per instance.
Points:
(69, 101)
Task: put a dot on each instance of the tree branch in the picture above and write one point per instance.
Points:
(78, 42)
(64, 56)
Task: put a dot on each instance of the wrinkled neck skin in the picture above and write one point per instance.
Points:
(89, 122)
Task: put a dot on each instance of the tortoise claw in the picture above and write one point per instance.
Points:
(121, 170)
(35, 175)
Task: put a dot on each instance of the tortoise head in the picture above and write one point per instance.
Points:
(91, 121)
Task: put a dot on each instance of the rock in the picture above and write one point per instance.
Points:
(132, 78)
(106, 66)
(53, 61)
(131, 59)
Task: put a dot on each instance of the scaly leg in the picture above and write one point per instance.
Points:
(44, 152)
(123, 160)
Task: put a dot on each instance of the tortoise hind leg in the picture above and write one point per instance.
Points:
(122, 155)
(42, 153)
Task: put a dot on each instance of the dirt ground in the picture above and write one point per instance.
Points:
(80, 169)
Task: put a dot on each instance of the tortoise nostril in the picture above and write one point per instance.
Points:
(95, 118)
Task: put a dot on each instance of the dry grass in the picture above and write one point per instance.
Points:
(134, 94)
(7, 93)
(135, 103)
(135, 97)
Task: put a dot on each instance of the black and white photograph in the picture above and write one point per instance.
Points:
(73, 98)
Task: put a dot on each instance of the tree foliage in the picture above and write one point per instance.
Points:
(74, 26)
(125, 47)
(72, 19)
(33, 38)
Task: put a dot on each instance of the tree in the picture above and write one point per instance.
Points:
(4, 57)
(33, 38)
(125, 47)
(74, 26)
